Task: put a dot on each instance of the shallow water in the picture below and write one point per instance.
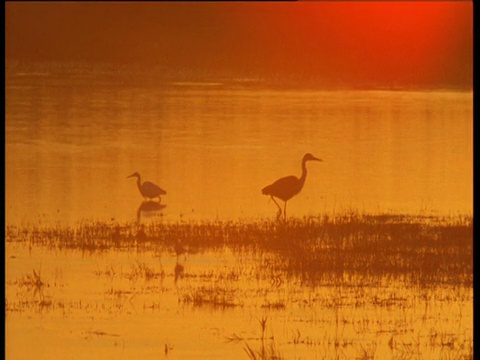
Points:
(118, 304)
(72, 139)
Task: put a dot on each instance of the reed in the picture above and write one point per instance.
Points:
(266, 351)
(426, 250)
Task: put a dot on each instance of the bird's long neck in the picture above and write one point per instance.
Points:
(139, 182)
(304, 172)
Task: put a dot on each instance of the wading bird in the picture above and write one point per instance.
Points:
(289, 186)
(148, 189)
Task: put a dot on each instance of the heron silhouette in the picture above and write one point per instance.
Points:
(148, 189)
(287, 187)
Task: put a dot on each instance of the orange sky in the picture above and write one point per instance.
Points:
(379, 44)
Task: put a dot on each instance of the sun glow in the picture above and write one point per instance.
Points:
(405, 42)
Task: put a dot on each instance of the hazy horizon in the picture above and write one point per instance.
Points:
(322, 44)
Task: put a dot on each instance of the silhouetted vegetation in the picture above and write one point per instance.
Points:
(427, 250)
(335, 283)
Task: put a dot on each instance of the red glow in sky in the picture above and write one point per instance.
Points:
(420, 44)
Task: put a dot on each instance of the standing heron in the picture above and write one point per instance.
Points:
(148, 189)
(289, 186)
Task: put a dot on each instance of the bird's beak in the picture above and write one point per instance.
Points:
(316, 159)
(130, 176)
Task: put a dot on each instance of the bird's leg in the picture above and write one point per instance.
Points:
(139, 214)
(279, 208)
(285, 212)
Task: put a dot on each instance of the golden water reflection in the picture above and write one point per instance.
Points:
(218, 299)
(70, 142)
(94, 273)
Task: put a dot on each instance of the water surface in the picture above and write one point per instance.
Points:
(72, 138)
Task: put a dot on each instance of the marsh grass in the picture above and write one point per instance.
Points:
(341, 282)
(33, 297)
(32, 282)
(367, 351)
(265, 351)
(142, 270)
(425, 250)
(216, 296)
(269, 352)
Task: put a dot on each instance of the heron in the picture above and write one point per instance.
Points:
(287, 187)
(148, 189)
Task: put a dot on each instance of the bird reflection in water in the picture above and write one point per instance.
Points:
(149, 209)
(179, 272)
(141, 235)
(116, 235)
(180, 250)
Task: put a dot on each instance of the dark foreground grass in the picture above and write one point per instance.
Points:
(427, 250)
